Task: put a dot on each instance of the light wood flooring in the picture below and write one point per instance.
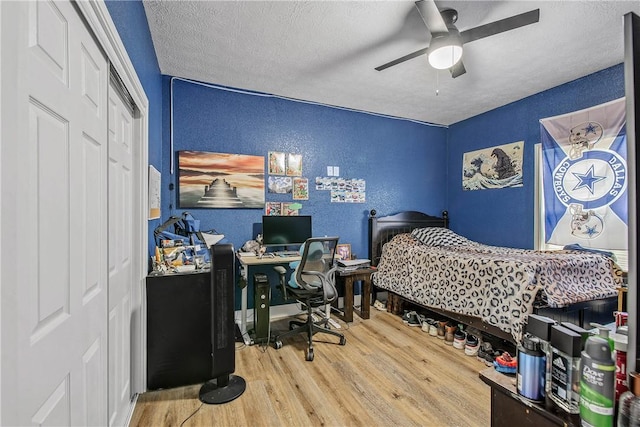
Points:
(388, 374)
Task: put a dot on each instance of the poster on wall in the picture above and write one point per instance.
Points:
(585, 177)
(300, 189)
(277, 163)
(154, 193)
(291, 208)
(220, 180)
(273, 208)
(280, 184)
(294, 164)
(494, 167)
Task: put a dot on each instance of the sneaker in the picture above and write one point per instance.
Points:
(433, 329)
(427, 324)
(415, 319)
(449, 331)
(485, 353)
(505, 363)
(407, 315)
(472, 345)
(459, 339)
(440, 329)
(382, 306)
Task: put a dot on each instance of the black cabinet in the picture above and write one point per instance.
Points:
(178, 330)
(509, 409)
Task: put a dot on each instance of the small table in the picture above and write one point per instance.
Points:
(347, 278)
(508, 408)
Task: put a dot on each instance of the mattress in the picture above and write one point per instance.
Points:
(496, 284)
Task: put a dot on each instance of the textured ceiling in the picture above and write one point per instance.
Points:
(326, 51)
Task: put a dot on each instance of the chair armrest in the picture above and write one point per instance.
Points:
(283, 280)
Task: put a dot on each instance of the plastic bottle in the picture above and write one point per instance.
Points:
(627, 399)
(597, 378)
(620, 338)
(604, 333)
(530, 381)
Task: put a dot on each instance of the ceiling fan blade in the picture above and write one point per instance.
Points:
(404, 58)
(431, 16)
(500, 26)
(458, 69)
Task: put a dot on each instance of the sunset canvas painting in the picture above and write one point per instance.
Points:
(220, 180)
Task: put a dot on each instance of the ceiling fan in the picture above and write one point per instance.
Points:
(445, 49)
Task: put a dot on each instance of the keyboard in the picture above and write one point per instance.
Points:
(287, 253)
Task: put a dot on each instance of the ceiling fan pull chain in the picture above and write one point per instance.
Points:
(437, 82)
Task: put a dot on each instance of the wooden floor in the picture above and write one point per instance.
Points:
(388, 374)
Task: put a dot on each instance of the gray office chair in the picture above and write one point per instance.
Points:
(312, 284)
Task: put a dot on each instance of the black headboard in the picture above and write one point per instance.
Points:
(382, 229)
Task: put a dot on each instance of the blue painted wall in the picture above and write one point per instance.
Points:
(130, 20)
(406, 165)
(401, 161)
(505, 217)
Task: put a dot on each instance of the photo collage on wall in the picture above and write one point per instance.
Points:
(285, 177)
(343, 190)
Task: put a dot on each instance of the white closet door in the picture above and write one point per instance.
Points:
(54, 158)
(121, 143)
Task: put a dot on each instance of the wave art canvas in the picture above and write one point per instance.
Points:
(493, 167)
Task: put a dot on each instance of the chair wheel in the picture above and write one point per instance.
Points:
(343, 341)
(309, 355)
(277, 345)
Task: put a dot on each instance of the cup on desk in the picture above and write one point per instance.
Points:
(199, 261)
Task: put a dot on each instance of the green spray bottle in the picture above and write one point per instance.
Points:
(604, 332)
(597, 382)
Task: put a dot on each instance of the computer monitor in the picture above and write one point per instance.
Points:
(285, 230)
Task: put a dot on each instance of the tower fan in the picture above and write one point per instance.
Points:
(224, 386)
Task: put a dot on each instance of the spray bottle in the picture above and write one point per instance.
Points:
(604, 332)
(597, 384)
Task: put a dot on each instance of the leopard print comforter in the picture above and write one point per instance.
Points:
(496, 284)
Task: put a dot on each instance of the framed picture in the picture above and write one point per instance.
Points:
(343, 251)
(220, 180)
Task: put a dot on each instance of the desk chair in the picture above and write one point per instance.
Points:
(313, 285)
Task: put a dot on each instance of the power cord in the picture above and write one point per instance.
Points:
(192, 414)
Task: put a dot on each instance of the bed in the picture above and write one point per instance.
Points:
(491, 288)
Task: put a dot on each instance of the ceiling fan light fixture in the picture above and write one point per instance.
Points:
(444, 51)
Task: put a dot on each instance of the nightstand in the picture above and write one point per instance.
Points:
(347, 279)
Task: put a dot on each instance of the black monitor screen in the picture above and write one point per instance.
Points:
(285, 230)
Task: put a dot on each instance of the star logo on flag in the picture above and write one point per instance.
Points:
(590, 129)
(587, 179)
(591, 231)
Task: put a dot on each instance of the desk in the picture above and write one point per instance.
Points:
(347, 278)
(508, 408)
(251, 261)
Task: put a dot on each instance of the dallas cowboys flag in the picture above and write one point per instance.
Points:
(585, 177)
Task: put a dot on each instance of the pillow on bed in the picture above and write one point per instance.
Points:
(438, 236)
